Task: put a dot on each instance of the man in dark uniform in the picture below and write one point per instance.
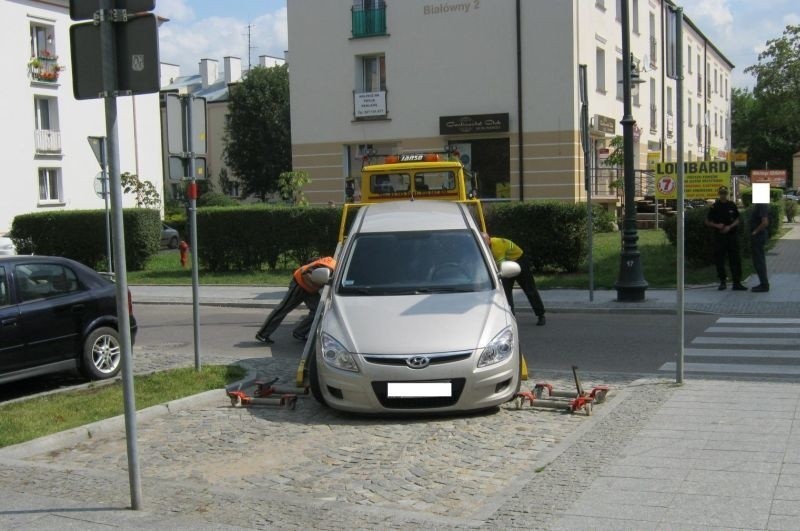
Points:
(723, 217)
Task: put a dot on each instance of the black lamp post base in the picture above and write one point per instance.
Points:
(630, 293)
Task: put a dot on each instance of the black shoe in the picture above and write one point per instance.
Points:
(761, 288)
(739, 287)
(300, 337)
(265, 340)
(541, 321)
(722, 286)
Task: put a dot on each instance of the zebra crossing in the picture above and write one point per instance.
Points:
(759, 346)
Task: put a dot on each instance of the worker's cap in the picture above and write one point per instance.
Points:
(722, 190)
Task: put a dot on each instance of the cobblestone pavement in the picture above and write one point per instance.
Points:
(315, 468)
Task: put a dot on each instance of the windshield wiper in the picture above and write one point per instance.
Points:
(445, 289)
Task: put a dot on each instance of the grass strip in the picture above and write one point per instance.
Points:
(37, 417)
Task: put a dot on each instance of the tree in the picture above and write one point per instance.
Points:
(291, 185)
(773, 114)
(146, 194)
(257, 130)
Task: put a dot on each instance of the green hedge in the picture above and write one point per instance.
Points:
(246, 237)
(552, 234)
(699, 242)
(746, 195)
(81, 235)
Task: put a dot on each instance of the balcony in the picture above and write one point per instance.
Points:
(48, 142)
(45, 69)
(369, 22)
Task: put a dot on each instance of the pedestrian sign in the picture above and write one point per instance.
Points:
(702, 179)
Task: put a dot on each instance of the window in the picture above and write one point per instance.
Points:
(689, 57)
(374, 73)
(42, 41)
(600, 69)
(620, 80)
(47, 138)
(653, 107)
(619, 10)
(389, 183)
(689, 114)
(699, 77)
(49, 185)
(715, 125)
(369, 18)
(434, 181)
(669, 100)
(5, 297)
(669, 153)
(635, 16)
(44, 281)
(716, 86)
(653, 41)
(726, 88)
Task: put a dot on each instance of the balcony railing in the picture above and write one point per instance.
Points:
(48, 141)
(45, 69)
(369, 22)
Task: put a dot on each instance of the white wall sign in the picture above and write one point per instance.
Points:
(370, 104)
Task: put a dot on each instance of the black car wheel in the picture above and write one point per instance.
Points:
(313, 379)
(102, 355)
(173, 242)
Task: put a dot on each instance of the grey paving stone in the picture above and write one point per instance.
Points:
(778, 522)
(786, 508)
(727, 483)
(789, 480)
(571, 523)
(648, 471)
(722, 511)
(637, 485)
(602, 508)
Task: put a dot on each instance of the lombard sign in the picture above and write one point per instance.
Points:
(473, 123)
(701, 179)
(370, 104)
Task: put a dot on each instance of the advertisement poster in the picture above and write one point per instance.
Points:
(702, 179)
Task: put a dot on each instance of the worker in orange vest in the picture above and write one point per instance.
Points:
(301, 289)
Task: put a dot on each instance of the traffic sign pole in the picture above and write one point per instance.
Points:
(104, 170)
(108, 55)
(188, 108)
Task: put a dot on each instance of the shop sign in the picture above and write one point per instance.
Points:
(473, 123)
(776, 178)
(701, 179)
(604, 124)
(370, 104)
(740, 159)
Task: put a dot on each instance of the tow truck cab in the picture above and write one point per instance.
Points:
(415, 176)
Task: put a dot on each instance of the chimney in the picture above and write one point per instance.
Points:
(209, 69)
(233, 69)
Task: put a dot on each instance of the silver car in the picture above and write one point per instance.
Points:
(416, 319)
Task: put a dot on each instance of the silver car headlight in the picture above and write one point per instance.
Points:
(499, 349)
(336, 356)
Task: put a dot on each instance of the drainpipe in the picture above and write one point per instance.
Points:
(520, 154)
(663, 85)
(706, 124)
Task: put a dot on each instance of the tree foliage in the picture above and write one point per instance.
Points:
(257, 130)
(766, 121)
(146, 194)
(290, 184)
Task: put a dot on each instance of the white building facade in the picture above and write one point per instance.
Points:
(49, 164)
(497, 78)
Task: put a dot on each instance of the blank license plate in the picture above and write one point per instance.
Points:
(418, 389)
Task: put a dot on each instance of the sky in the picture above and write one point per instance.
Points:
(216, 28)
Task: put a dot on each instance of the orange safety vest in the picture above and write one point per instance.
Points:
(300, 272)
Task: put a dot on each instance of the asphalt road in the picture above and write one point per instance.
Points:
(600, 342)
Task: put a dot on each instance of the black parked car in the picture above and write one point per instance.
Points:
(55, 315)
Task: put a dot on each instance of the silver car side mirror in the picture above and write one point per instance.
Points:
(509, 269)
(321, 275)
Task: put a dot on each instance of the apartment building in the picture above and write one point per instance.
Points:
(498, 79)
(211, 83)
(48, 162)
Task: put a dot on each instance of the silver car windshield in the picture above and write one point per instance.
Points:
(403, 263)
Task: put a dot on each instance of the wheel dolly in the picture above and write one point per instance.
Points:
(263, 394)
(574, 401)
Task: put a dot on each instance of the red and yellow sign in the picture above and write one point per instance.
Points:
(702, 179)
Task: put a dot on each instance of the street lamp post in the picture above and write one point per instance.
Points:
(630, 284)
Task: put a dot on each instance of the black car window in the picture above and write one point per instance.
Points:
(43, 281)
(5, 296)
